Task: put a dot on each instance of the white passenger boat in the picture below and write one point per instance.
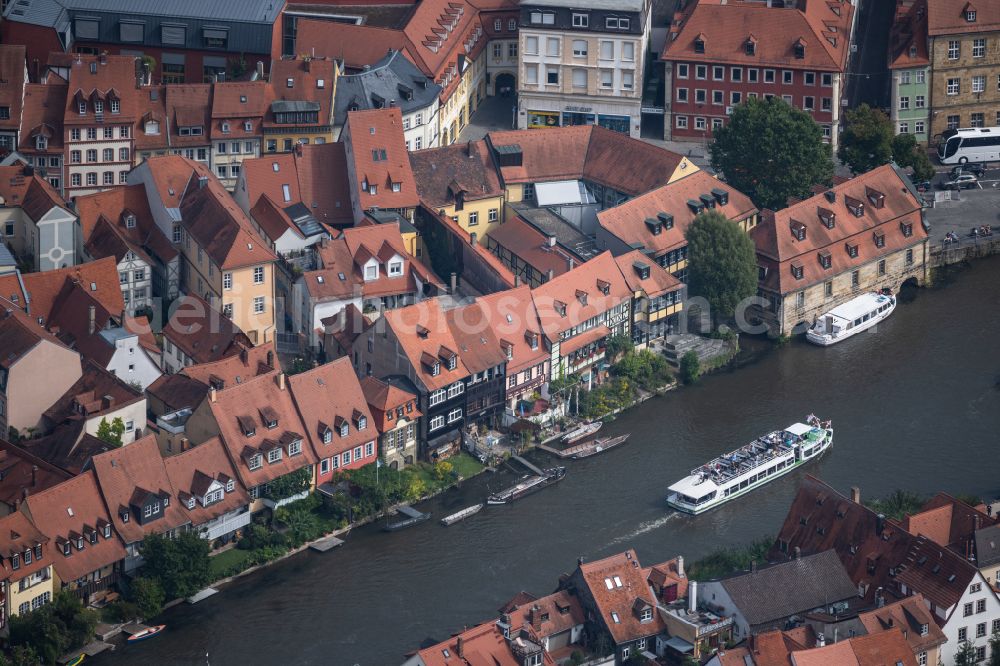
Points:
(759, 462)
(856, 315)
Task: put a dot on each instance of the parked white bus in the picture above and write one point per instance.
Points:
(972, 144)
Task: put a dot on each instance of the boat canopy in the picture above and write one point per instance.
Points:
(799, 429)
(694, 487)
(857, 307)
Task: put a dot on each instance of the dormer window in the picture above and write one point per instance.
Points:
(913, 50)
(750, 47)
(15, 561)
(825, 259)
(395, 268)
(827, 217)
(560, 308)
(876, 198)
(371, 272)
(27, 553)
(646, 615)
(98, 106)
(906, 228)
(230, 486)
(604, 287)
(362, 423)
(256, 462)
(81, 107)
(41, 143)
(79, 544)
(247, 126)
(92, 537)
(452, 362)
(273, 456)
(879, 239)
(130, 221)
(970, 15)
(581, 296)
(699, 45)
(798, 230)
(856, 207)
(799, 50)
(327, 436)
(797, 271)
(67, 549)
(190, 503)
(152, 127)
(107, 531)
(116, 106)
(344, 429)
(295, 448)
(247, 426)
(225, 128)
(435, 368)
(852, 250)
(124, 516)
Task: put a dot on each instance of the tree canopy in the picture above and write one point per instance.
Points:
(771, 152)
(111, 433)
(53, 629)
(907, 153)
(722, 262)
(179, 565)
(867, 139)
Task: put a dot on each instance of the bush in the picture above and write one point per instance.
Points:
(53, 629)
(690, 368)
(897, 504)
(727, 560)
(290, 484)
(442, 470)
(645, 368)
(180, 565)
(148, 597)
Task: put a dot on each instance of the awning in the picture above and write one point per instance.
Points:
(561, 192)
(679, 644)
(584, 339)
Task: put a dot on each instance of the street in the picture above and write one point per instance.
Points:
(867, 75)
(973, 208)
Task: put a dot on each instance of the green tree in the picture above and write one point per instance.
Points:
(722, 263)
(690, 367)
(907, 153)
(112, 432)
(148, 595)
(966, 655)
(867, 139)
(289, 484)
(771, 152)
(617, 345)
(897, 504)
(179, 565)
(53, 629)
(994, 649)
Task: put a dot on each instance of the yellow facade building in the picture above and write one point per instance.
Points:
(28, 582)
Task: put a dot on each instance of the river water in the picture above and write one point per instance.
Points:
(915, 405)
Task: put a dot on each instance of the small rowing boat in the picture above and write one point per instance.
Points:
(77, 660)
(148, 632)
(582, 432)
(599, 445)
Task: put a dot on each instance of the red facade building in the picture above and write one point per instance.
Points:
(719, 54)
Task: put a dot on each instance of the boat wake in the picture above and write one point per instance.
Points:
(646, 526)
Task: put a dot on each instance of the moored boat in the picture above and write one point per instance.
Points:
(599, 445)
(581, 432)
(856, 315)
(527, 486)
(748, 467)
(148, 632)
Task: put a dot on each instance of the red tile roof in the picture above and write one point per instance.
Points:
(514, 320)
(32, 194)
(659, 281)
(42, 114)
(666, 575)
(909, 615)
(947, 17)
(23, 474)
(235, 368)
(18, 534)
(373, 133)
(908, 39)
(949, 522)
(114, 205)
(627, 221)
(153, 109)
(822, 27)
(101, 77)
(778, 249)
(12, 79)
(188, 105)
(237, 102)
(483, 645)
(75, 507)
(383, 397)
(590, 153)
(221, 227)
(619, 591)
(192, 473)
(202, 332)
(356, 45)
(532, 246)
(316, 175)
(97, 392)
(245, 402)
(544, 617)
(108, 240)
(67, 447)
(99, 277)
(459, 171)
(472, 328)
(19, 334)
(171, 176)
(422, 332)
(570, 290)
(313, 80)
(134, 467)
(327, 395)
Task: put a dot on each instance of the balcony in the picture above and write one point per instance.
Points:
(225, 524)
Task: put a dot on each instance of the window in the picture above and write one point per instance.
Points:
(954, 49)
(904, 128)
(953, 122)
(701, 72)
(607, 78)
(552, 46)
(91, 179)
(92, 155)
(682, 94)
(628, 51)
(91, 133)
(227, 278)
(108, 154)
(628, 80)
(981, 607)
(753, 75)
(295, 448)
(981, 630)
(74, 156)
(699, 124)
(904, 103)
(273, 456)
(881, 267)
(700, 96)
(918, 127)
(531, 74)
(512, 25)
(579, 78)
(808, 102)
(978, 48)
(909, 257)
(855, 278)
(493, 214)
(531, 45)
(258, 275)
(717, 97)
(74, 180)
(980, 650)
(369, 449)
(454, 415)
(581, 20)
(919, 102)
(437, 422)
(682, 71)
(954, 86)
(258, 305)
(718, 73)
(473, 218)
(682, 122)
(978, 84)
(787, 77)
(74, 134)
(612, 23)
(768, 76)
(920, 76)
(976, 119)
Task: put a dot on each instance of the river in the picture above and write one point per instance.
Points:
(915, 405)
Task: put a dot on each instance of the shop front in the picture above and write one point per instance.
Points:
(540, 119)
(621, 124)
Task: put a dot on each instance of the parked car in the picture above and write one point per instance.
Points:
(923, 186)
(962, 181)
(977, 170)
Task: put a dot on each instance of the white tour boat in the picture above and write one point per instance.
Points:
(856, 315)
(751, 466)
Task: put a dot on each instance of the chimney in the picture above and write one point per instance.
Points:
(103, 58)
(798, 552)
(91, 319)
(880, 524)
(517, 280)
(454, 283)
(552, 241)
(856, 495)
(212, 394)
(579, 561)
(536, 617)
(693, 596)
(281, 381)
(879, 598)
(472, 239)
(260, 69)
(244, 355)
(820, 640)
(298, 149)
(680, 566)
(185, 444)
(460, 647)
(570, 264)
(34, 475)
(270, 359)
(551, 274)
(306, 63)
